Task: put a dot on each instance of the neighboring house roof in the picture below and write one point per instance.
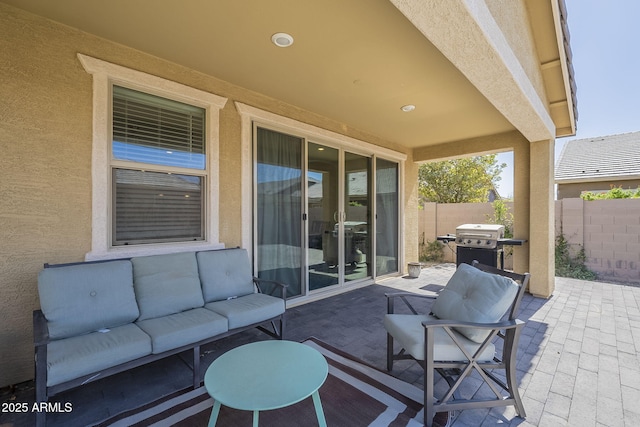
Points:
(604, 158)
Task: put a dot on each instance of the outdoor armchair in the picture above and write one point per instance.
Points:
(471, 327)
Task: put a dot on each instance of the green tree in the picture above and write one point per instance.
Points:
(460, 180)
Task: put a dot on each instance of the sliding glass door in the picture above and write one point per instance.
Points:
(315, 213)
(323, 213)
(387, 208)
(357, 216)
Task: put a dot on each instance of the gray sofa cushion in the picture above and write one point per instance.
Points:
(408, 331)
(471, 295)
(248, 309)
(79, 299)
(74, 357)
(166, 284)
(225, 273)
(184, 328)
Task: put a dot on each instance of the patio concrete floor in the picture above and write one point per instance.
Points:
(578, 360)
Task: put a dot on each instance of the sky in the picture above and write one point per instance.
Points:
(605, 43)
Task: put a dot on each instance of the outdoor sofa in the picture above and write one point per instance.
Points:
(104, 317)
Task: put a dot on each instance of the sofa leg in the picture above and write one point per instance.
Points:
(389, 353)
(41, 421)
(196, 367)
(41, 382)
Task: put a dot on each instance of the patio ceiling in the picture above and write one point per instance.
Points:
(357, 61)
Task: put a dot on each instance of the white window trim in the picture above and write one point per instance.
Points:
(106, 74)
(250, 114)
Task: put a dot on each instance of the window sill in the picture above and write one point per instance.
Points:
(150, 249)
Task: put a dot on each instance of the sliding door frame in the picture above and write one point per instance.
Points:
(253, 117)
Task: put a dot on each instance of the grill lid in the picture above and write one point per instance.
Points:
(479, 235)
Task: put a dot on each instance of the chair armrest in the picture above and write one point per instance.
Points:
(505, 324)
(408, 294)
(273, 284)
(404, 297)
(40, 329)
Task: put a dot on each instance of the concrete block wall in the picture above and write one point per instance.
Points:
(437, 219)
(608, 230)
(612, 238)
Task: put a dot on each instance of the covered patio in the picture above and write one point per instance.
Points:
(300, 130)
(301, 148)
(577, 360)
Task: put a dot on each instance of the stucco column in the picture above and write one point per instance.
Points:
(409, 229)
(541, 222)
(521, 199)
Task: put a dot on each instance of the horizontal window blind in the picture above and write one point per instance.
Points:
(156, 207)
(151, 121)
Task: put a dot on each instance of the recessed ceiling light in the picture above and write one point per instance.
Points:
(407, 108)
(282, 39)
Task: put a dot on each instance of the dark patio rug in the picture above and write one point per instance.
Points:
(354, 394)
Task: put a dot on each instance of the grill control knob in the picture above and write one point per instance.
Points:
(469, 241)
(479, 242)
(488, 242)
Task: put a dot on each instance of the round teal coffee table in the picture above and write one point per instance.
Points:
(266, 375)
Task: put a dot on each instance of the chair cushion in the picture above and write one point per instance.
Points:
(78, 299)
(472, 295)
(187, 327)
(225, 273)
(166, 284)
(74, 357)
(248, 309)
(408, 331)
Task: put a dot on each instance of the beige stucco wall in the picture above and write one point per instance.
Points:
(513, 19)
(45, 166)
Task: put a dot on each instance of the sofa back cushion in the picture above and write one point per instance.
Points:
(471, 295)
(166, 284)
(225, 273)
(82, 298)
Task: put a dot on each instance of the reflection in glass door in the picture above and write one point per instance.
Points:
(357, 221)
(322, 211)
(279, 209)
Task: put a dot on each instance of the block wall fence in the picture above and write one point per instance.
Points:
(608, 230)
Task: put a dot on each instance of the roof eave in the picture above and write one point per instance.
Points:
(562, 37)
(597, 179)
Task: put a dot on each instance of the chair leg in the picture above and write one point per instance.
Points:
(429, 400)
(429, 389)
(513, 389)
(512, 384)
(511, 340)
(389, 352)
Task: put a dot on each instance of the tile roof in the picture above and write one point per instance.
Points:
(600, 158)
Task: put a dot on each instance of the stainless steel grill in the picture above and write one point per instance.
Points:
(479, 235)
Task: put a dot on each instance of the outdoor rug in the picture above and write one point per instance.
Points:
(354, 394)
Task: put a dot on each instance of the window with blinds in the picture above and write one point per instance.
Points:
(158, 203)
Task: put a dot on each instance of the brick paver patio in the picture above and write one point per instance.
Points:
(578, 358)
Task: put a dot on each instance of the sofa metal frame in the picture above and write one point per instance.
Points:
(455, 372)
